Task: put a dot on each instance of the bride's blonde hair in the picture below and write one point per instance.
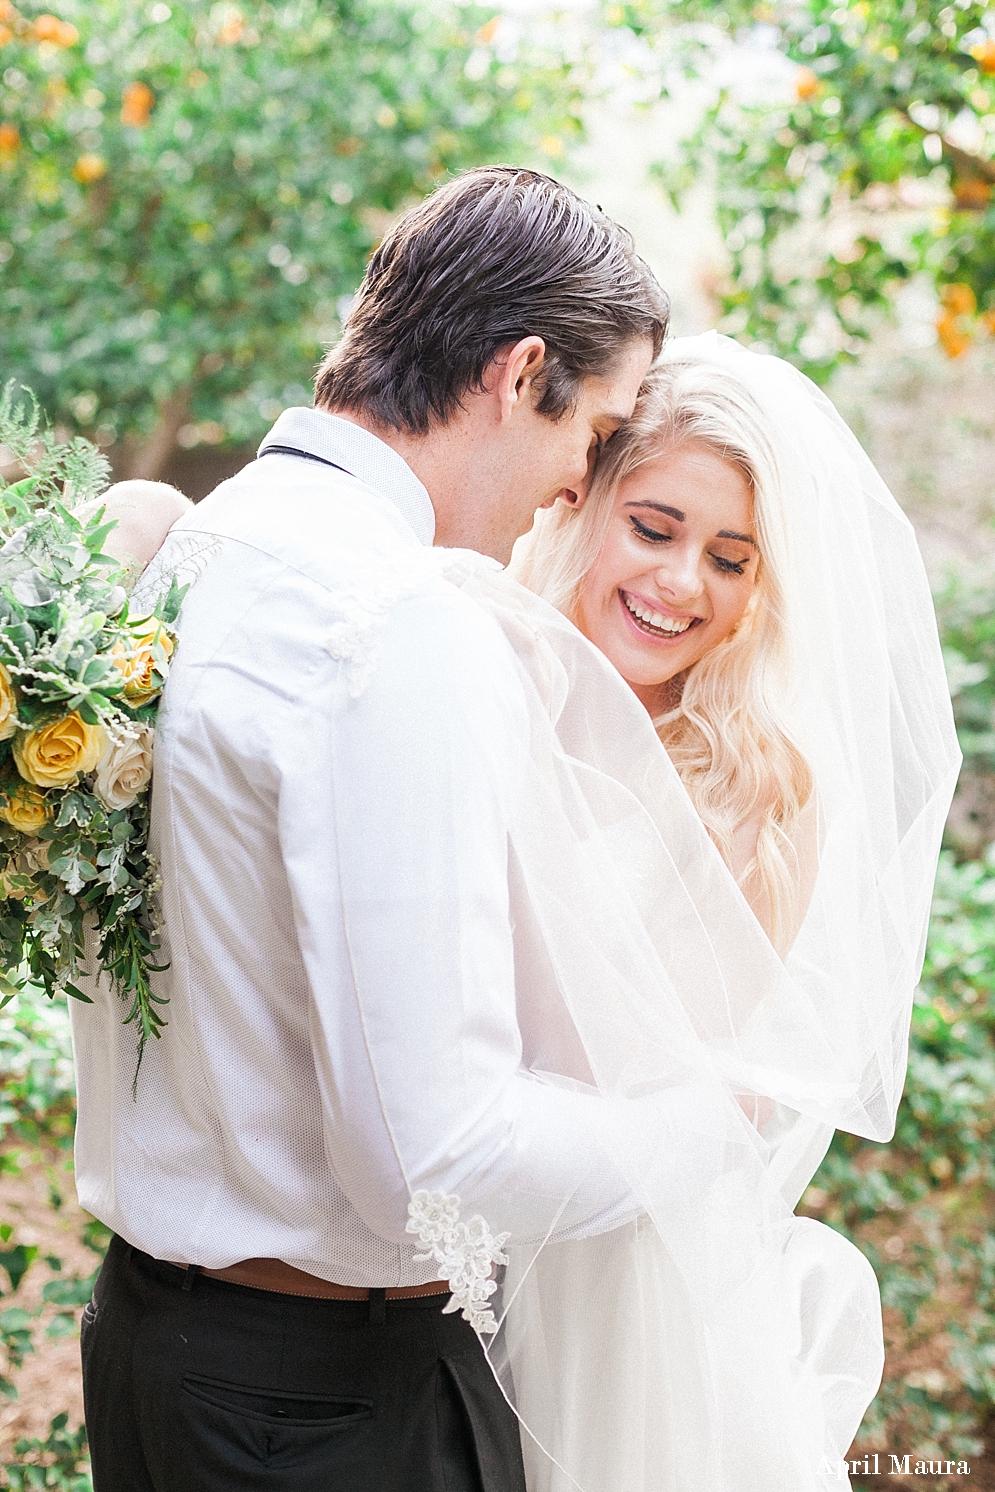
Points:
(728, 735)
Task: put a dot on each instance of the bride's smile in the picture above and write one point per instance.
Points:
(675, 570)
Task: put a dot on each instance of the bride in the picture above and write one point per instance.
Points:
(720, 936)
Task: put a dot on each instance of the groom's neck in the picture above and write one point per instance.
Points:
(448, 463)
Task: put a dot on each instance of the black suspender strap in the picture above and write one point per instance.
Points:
(305, 455)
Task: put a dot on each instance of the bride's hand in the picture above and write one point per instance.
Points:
(144, 512)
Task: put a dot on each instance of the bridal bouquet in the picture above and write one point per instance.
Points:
(79, 683)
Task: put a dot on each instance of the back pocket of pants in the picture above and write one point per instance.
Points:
(242, 1427)
(278, 1407)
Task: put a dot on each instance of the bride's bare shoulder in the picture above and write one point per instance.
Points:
(143, 512)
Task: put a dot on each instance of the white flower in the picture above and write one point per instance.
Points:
(124, 770)
(431, 1215)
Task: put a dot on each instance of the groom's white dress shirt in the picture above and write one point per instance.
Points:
(336, 756)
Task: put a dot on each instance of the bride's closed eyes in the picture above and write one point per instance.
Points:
(651, 536)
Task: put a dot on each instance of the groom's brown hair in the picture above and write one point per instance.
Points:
(495, 255)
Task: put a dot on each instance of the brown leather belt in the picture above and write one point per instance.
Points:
(284, 1279)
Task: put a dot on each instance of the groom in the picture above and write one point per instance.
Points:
(335, 764)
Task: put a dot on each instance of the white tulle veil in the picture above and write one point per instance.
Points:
(712, 1342)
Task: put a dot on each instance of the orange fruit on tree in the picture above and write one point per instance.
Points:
(953, 340)
(984, 56)
(10, 139)
(958, 300)
(50, 28)
(806, 83)
(136, 104)
(231, 31)
(89, 168)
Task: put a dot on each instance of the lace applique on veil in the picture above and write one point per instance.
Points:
(466, 1254)
(183, 557)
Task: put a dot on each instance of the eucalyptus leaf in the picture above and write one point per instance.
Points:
(32, 589)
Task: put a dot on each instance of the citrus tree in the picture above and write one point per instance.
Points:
(866, 157)
(189, 190)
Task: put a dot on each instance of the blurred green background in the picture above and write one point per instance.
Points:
(188, 195)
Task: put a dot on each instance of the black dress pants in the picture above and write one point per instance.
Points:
(222, 1388)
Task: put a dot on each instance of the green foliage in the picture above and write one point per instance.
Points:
(967, 619)
(70, 472)
(871, 160)
(59, 1461)
(189, 190)
(968, 625)
(16, 1261)
(37, 1078)
(38, 1089)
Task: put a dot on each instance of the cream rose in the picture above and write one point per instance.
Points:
(23, 807)
(8, 706)
(124, 770)
(56, 754)
(138, 664)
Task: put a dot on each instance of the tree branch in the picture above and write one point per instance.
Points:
(151, 456)
(966, 164)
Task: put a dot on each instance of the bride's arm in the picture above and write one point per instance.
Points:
(805, 841)
(144, 512)
(804, 838)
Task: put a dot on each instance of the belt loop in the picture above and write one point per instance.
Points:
(188, 1278)
(378, 1308)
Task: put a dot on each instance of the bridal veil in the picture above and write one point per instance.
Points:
(710, 1341)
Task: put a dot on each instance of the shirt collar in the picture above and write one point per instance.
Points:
(363, 455)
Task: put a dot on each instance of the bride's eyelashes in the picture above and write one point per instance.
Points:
(730, 567)
(651, 536)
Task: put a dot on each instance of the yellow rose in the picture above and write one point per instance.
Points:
(138, 664)
(8, 706)
(55, 755)
(23, 807)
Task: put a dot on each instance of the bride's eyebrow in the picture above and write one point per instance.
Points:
(727, 533)
(660, 508)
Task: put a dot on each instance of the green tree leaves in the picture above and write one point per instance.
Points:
(194, 189)
(872, 159)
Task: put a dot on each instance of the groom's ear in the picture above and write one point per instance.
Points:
(514, 371)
